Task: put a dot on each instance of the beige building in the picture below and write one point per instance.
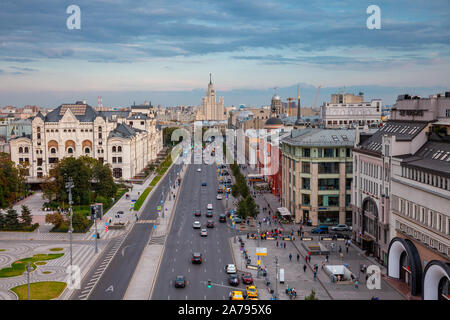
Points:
(211, 109)
(128, 141)
(317, 175)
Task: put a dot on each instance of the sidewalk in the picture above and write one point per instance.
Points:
(143, 280)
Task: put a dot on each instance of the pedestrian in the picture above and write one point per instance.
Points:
(309, 258)
(285, 245)
(306, 259)
(326, 258)
(340, 249)
(315, 275)
(304, 268)
(290, 257)
(346, 249)
(298, 257)
(277, 244)
(356, 283)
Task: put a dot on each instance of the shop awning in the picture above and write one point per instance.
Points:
(284, 211)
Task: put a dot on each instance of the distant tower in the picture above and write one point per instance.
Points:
(100, 103)
(298, 106)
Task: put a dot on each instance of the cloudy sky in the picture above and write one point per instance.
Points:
(163, 50)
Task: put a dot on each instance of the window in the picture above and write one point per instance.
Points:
(53, 150)
(114, 149)
(305, 199)
(87, 150)
(69, 150)
(114, 159)
(306, 152)
(119, 149)
(142, 123)
(20, 150)
(306, 183)
(119, 159)
(328, 153)
(306, 167)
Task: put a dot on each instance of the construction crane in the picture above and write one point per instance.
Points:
(317, 96)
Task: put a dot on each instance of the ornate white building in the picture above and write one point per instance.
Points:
(211, 109)
(126, 140)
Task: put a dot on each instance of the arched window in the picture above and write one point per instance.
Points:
(87, 150)
(114, 149)
(38, 129)
(20, 150)
(53, 150)
(69, 150)
(26, 149)
(119, 149)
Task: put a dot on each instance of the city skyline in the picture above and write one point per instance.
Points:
(163, 51)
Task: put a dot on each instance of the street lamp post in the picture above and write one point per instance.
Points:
(29, 269)
(96, 233)
(69, 186)
(276, 277)
(162, 201)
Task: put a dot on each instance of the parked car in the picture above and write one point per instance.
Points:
(341, 235)
(199, 170)
(320, 230)
(219, 197)
(341, 227)
(237, 220)
(233, 280)
(230, 268)
(247, 278)
(222, 218)
(180, 282)
(219, 190)
(197, 257)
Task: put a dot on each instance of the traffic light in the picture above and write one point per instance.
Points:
(209, 284)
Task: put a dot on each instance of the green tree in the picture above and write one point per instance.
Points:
(312, 296)
(242, 209)
(2, 219)
(11, 219)
(54, 218)
(12, 181)
(79, 222)
(252, 209)
(26, 216)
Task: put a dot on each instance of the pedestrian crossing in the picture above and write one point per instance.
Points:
(157, 240)
(92, 281)
(146, 221)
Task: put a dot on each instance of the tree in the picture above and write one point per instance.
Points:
(11, 219)
(242, 209)
(252, 209)
(312, 296)
(79, 222)
(12, 181)
(2, 220)
(54, 218)
(26, 216)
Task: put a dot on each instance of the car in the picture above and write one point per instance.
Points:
(230, 268)
(204, 233)
(204, 184)
(210, 224)
(209, 206)
(209, 214)
(222, 218)
(341, 227)
(237, 220)
(341, 235)
(180, 282)
(247, 278)
(197, 213)
(197, 257)
(119, 212)
(233, 280)
(219, 190)
(320, 230)
(251, 291)
(199, 170)
(219, 197)
(236, 295)
(196, 225)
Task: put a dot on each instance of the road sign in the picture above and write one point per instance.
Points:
(261, 251)
(158, 208)
(258, 262)
(133, 200)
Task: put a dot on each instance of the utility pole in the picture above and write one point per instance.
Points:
(29, 269)
(276, 277)
(69, 187)
(162, 202)
(96, 233)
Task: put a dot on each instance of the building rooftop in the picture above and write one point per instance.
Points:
(82, 111)
(402, 130)
(313, 137)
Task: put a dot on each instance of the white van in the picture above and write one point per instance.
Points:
(281, 275)
(210, 206)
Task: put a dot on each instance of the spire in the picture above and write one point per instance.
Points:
(298, 106)
(210, 82)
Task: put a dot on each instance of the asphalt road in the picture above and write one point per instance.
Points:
(114, 282)
(183, 240)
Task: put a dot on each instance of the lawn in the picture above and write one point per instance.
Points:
(56, 249)
(1, 250)
(44, 290)
(18, 267)
(141, 199)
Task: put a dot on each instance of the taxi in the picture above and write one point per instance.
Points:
(252, 292)
(236, 295)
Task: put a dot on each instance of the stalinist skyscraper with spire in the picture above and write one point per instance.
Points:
(211, 109)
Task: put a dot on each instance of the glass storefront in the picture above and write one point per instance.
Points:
(328, 217)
